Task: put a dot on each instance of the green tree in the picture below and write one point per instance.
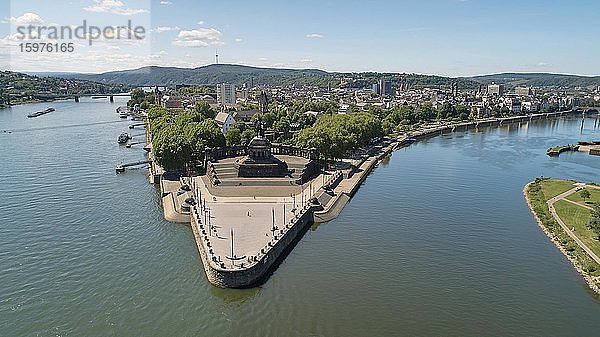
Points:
(247, 136)
(180, 141)
(335, 136)
(585, 194)
(282, 125)
(594, 224)
(233, 136)
(203, 108)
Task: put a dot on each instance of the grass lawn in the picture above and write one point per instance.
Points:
(574, 216)
(554, 187)
(594, 193)
(578, 217)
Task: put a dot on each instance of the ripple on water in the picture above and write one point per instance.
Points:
(438, 241)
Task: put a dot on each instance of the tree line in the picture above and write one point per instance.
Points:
(179, 141)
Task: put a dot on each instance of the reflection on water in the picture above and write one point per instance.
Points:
(237, 296)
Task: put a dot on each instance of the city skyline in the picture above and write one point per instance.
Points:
(442, 37)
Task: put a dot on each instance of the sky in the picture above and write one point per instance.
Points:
(443, 37)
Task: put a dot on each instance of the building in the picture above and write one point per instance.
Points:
(530, 107)
(225, 94)
(513, 105)
(171, 102)
(208, 99)
(344, 109)
(523, 91)
(243, 93)
(385, 88)
(225, 121)
(495, 89)
(245, 116)
(375, 88)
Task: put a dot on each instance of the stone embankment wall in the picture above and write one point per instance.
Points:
(258, 271)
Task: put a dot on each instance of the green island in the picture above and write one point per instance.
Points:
(569, 213)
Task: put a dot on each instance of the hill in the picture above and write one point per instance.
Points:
(237, 74)
(540, 80)
(210, 75)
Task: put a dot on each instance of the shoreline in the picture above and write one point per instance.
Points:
(590, 280)
(343, 188)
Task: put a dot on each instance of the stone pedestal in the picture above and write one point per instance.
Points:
(260, 162)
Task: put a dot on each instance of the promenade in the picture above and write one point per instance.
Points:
(256, 216)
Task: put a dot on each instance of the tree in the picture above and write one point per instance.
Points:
(585, 194)
(247, 136)
(233, 136)
(179, 141)
(282, 126)
(594, 224)
(141, 97)
(203, 108)
(335, 136)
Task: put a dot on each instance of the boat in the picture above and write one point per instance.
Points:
(123, 138)
(39, 113)
(123, 115)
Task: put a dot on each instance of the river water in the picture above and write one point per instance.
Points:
(438, 241)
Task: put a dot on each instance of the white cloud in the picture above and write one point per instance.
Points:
(162, 29)
(314, 36)
(201, 37)
(27, 19)
(239, 40)
(129, 11)
(542, 64)
(263, 59)
(306, 60)
(165, 3)
(201, 22)
(114, 7)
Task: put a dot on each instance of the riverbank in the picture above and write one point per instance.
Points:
(539, 205)
(256, 247)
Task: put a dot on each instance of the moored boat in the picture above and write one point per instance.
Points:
(40, 113)
(123, 138)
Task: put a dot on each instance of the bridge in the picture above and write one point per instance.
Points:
(76, 97)
(587, 109)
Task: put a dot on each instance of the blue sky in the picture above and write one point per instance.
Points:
(446, 37)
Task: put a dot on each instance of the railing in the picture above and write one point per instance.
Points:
(218, 153)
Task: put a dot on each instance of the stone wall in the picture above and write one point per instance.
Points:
(268, 259)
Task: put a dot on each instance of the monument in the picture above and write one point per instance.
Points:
(260, 162)
(286, 165)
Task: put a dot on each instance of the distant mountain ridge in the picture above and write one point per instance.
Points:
(540, 80)
(239, 74)
(211, 74)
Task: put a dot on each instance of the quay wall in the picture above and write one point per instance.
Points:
(419, 135)
(259, 271)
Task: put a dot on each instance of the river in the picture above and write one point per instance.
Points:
(438, 241)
